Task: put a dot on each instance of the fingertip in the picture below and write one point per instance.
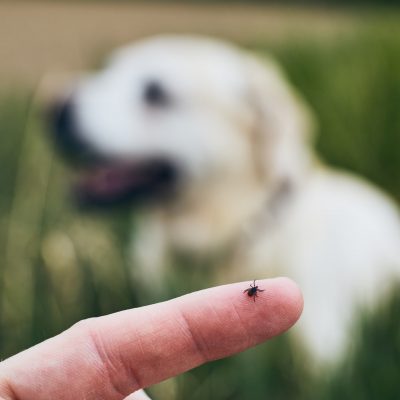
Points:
(291, 297)
(277, 308)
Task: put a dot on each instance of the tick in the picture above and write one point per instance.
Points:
(253, 290)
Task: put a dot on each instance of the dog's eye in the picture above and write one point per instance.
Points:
(154, 94)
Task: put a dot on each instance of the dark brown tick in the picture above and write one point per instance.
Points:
(253, 290)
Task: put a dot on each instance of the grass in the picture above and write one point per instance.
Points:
(58, 266)
(354, 87)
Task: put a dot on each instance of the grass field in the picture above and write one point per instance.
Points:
(58, 266)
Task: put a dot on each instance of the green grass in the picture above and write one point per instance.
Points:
(58, 266)
(354, 88)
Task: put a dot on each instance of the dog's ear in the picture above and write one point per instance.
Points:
(284, 124)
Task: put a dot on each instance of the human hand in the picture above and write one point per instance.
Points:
(112, 356)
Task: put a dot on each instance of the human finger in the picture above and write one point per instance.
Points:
(112, 356)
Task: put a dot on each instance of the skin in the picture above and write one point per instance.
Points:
(113, 356)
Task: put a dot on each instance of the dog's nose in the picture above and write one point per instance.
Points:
(63, 125)
(62, 114)
(65, 131)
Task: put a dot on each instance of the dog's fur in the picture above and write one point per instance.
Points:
(240, 138)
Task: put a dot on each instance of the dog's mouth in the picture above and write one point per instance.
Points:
(105, 181)
(111, 183)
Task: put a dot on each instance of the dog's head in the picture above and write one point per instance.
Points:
(172, 113)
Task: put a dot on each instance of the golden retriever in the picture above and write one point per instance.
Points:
(218, 144)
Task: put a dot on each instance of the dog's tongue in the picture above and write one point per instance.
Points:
(111, 183)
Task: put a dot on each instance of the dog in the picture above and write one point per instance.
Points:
(218, 146)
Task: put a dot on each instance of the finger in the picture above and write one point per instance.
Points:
(112, 356)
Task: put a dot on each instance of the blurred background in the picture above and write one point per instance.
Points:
(59, 265)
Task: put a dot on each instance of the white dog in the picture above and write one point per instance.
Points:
(223, 142)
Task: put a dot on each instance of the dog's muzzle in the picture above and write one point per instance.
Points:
(104, 181)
